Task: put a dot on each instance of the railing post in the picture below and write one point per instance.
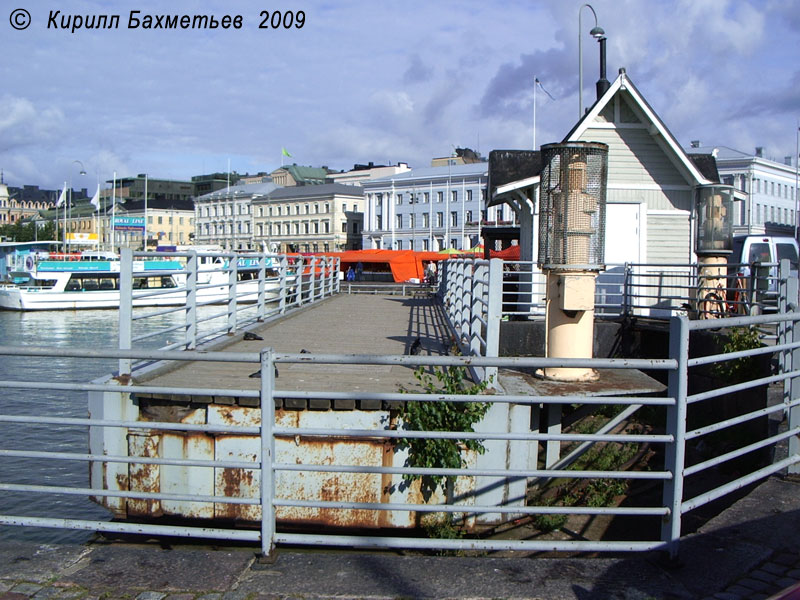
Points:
(233, 276)
(261, 298)
(794, 413)
(267, 452)
(787, 302)
(677, 389)
(312, 292)
(494, 312)
(283, 279)
(626, 290)
(337, 282)
(191, 302)
(125, 307)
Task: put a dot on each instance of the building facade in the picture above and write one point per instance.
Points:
(430, 209)
(224, 218)
(290, 175)
(311, 218)
(768, 188)
(361, 173)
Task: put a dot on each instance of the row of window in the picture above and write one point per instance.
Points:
(423, 197)
(276, 229)
(223, 210)
(773, 214)
(772, 188)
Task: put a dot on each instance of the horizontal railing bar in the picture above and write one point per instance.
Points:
(464, 544)
(138, 460)
(500, 473)
(472, 435)
(742, 321)
(137, 528)
(188, 355)
(761, 412)
(694, 362)
(717, 460)
(477, 509)
(746, 385)
(130, 389)
(138, 425)
(74, 491)
(738, 484)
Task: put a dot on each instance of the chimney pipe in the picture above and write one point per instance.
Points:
(602, 83)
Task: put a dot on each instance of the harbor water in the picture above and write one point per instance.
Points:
(55, 330)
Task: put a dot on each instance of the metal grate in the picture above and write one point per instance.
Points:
(573, 205)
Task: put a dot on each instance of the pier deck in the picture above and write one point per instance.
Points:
(344, 324)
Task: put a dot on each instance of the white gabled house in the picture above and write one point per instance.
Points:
(651, 188)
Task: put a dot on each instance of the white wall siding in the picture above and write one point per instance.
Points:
(668, 237)
(634, 156)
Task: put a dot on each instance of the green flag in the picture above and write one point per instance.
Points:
(285, 152)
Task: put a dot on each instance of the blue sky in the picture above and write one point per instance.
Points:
(376, 81)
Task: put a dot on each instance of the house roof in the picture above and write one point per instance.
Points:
(303, 174)
(315, 191)
(657, 127)
(465, 170)
(243, 189)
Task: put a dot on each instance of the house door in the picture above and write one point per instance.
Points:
(623, 234)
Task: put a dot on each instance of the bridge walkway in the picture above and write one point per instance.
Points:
(343, 324)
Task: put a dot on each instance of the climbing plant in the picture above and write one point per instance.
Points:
(441, 415)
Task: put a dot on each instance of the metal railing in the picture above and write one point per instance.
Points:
(653, 290)
(503, 483)
(275, 284)
(470, 292)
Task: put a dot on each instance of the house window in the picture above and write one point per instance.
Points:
(483, 194)
(454, 244)
(399, 221)
(454, 219)
(411, 221)
(425, 220)
(454, 195)
(160, 220)
(468, 217)
(399, 199)
(344, 227)
(469, 195)
(326, 227)
(180, 220)
(439, 219)
(440, 196)
(426, 198)
(399, 244)
(425, 245)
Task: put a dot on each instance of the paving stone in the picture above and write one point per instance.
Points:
(6, 585)
(727, 596)
(762, 575)
(753, 584)
(739, 591)
(214, 596)
(151, 596)
(180, 597)
(28, 589)
(235, 595)
(786, 558)
(46, 593)
(758, 596)
(774, 568)
(12, 596)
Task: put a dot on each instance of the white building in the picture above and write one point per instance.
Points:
(430, 208)
(769, 187)
(224, 217)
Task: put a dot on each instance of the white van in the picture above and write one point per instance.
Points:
(764, 249)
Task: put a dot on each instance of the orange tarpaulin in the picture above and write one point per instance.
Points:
(404, 264)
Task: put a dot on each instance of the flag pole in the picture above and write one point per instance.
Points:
(113, 211)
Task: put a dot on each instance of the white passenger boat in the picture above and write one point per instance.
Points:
(66, 282)
(91, 280)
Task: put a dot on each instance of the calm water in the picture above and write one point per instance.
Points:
(54, 329)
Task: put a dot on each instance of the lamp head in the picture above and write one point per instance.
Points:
(597, 32)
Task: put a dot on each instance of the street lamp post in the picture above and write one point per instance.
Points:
(69, 205)
(597, 33)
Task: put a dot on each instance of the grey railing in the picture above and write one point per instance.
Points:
(654, 290)
(225, 304)
(470, 292)
(503, 483)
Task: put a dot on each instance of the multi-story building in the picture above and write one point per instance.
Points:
(17, 204)
(311, 218)
(133, 188)
(768, 188)
(224, 217)
(431, 208)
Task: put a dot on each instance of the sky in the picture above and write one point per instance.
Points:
(376, 81)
